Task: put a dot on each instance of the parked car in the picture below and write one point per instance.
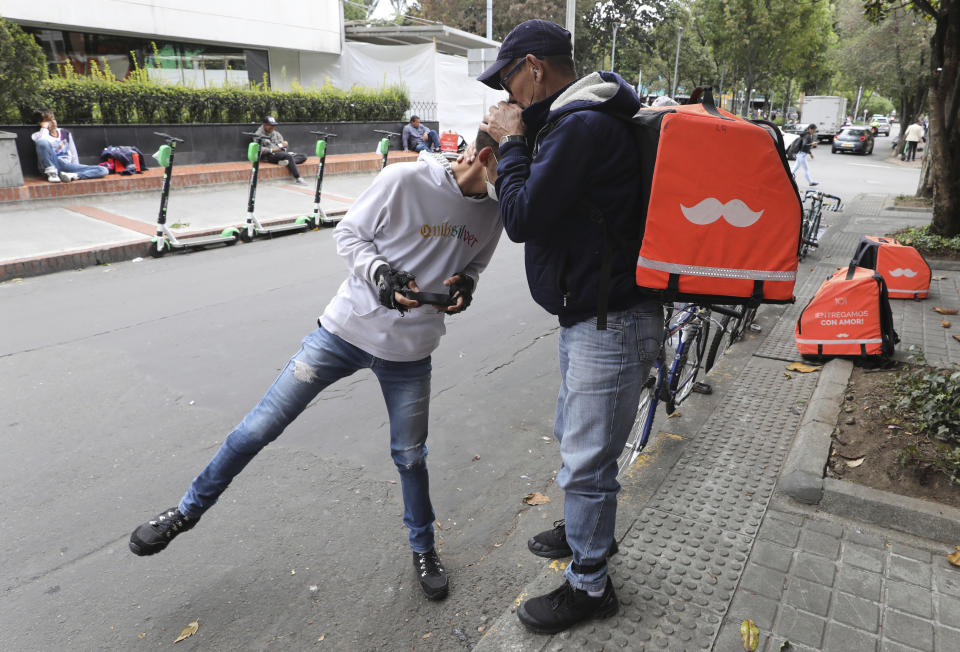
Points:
(853, 139)
(883, 125)
(794, 128)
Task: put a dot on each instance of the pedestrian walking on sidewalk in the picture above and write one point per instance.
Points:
(567, 182)
(397, 236)
(57, 153)
(913, 135)
(807, 142)
(274, 149)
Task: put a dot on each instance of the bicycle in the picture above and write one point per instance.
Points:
(742, 321)
(810, 229)
(686, 331)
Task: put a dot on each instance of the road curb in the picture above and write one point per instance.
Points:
(802, 478)
(99, 255)
(911, 515)
(802, 474)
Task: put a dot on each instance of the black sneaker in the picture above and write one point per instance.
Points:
(552, 544)
(564, 607)
(153, 536)
(433, 579)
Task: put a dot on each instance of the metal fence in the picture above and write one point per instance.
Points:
(424, 110)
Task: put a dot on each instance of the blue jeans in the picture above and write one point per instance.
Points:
(432, 142)
(324, 358)
(47, 158)
(802, 164)
(602, 375)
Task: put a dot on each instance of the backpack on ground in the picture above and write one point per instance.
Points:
(904, 269)
(721, 210)
(848, 316)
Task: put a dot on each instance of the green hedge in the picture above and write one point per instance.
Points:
(92, 100)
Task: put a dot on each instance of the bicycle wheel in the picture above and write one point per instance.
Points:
(689, 358)
(722, 326)
(645, 412)
(804, 228)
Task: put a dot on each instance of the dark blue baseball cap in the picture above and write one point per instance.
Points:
(540, 38)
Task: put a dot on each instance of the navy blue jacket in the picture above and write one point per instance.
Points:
(578, 158)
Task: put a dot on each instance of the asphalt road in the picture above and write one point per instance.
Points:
(119, 383)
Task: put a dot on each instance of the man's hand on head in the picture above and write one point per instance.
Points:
(469, 155)
(504, 119)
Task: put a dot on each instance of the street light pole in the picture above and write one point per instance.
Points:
(571, 21)
(676, 62)
(613, 52)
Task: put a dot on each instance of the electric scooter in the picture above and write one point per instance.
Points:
(165, 241)
(319, 217)
(384, 147)
(253, 228)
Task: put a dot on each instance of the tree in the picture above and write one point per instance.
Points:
(23, 67)
(943, 141)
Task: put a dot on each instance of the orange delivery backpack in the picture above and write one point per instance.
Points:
(722, 214)
(848, 316)
(449, 141)
(903, 268)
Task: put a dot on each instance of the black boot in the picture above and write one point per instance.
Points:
(552, 544)
(566, 606)
(432, 576)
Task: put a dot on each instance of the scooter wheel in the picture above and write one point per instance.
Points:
(158, 248)
(245, 235)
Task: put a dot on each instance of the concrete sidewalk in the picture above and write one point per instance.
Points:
(44, 236)
(706, 540)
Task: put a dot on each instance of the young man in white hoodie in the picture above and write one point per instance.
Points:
(430, 225)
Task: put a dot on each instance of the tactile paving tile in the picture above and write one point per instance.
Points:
(687, 549)
(840, 248)
(779, 343)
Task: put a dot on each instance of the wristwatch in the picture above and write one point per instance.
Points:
(513, 138)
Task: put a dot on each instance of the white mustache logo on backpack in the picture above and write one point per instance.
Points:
(909, 273)
(711, 209)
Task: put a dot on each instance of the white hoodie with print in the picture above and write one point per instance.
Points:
(414, 218)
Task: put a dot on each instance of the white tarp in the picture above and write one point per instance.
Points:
(429, 77)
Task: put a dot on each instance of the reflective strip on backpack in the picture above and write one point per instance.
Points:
(914, 291)
(716, 272)
(826, 342)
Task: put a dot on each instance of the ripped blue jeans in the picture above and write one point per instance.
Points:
(324, 358)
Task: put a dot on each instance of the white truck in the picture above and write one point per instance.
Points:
(828, 112)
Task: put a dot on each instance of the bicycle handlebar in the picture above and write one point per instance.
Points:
(837, 202)
(168, 136)
(726, 311)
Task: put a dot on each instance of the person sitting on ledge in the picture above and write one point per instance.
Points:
(273, 149)
(57, 153)
(417, 138)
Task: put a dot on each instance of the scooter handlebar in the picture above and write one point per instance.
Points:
(386, 133)
(168, 136)
(323, 134)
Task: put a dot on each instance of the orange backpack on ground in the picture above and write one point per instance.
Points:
(903, 268)
(722, 212)
(849, 315)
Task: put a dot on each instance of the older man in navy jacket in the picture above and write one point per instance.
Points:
(568, 188)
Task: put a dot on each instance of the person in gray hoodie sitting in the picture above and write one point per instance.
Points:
(430, 225)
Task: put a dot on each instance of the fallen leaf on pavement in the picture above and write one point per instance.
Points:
(674, 415)
(142, 635)
(956, 337)
(787, 375)
(945, 323)
(802, 368)
(536, 498)
(855, 463)
(954, 557)
(476, 457)
(750, 635)
(947, 311)
(188, 631)
(785, 646)
(427, 635)
(939, 278)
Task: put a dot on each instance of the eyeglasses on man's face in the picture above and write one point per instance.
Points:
(503, 80)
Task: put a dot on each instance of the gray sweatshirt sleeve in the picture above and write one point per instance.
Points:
(482, 259)
(355, 235)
